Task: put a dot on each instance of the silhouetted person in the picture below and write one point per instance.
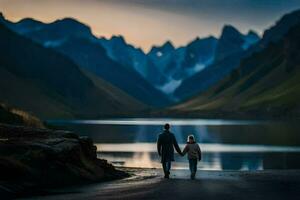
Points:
(165, 147)
(194, 154)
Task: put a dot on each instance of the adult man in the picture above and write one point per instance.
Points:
(165, 148)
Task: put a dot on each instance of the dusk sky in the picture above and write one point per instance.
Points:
(151, 22)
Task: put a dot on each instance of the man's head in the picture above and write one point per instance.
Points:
(167, 127)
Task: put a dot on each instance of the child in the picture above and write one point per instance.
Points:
(194, 154)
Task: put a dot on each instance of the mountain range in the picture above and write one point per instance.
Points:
(76, 41)
(265, 84)
(164, 67)
(229, 50)
(76, 74)
(50, 85)
(222, 67)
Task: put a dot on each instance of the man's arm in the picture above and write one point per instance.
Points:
(176, 145)
(159, 146)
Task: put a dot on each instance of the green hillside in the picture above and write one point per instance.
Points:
(266, 84)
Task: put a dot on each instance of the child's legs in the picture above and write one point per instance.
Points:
(193, 165)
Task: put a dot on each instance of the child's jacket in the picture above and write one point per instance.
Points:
(193, 150)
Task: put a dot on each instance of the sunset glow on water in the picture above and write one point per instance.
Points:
(243, 157)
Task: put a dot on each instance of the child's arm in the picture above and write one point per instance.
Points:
(186, 149)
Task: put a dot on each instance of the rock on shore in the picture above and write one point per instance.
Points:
(33, 159)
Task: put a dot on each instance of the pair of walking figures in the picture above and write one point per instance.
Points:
(165, 147)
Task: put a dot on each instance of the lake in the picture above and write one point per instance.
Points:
(225, 144)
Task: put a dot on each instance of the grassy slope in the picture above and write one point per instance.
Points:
(283, 96)
(28, 96)
(280, 100)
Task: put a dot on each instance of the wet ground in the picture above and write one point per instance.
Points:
(149, 184)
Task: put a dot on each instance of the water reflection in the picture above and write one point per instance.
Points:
(226, 144)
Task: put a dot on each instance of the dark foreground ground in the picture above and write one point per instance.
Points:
(148, 184)
(32, 160)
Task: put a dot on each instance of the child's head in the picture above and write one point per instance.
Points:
(191, 139)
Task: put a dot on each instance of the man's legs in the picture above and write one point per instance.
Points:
(169, 166)
(166, 167)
